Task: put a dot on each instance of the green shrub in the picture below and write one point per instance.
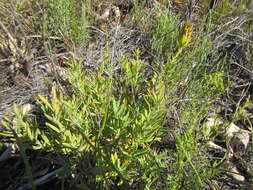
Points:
(69, 18)
(115, 121)
(165, 33)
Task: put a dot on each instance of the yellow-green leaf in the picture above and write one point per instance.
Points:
(45, 101)
(53, 127)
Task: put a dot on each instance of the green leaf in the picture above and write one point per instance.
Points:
(29, 132)
(45, 101)
(7, 134)
(53, 127)
(16, 110)
(46, 140)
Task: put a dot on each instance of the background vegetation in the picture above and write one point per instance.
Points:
(126, 94)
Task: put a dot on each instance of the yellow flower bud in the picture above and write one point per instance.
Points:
(185, 34)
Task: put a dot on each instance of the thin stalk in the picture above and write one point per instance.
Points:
(24, 157)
